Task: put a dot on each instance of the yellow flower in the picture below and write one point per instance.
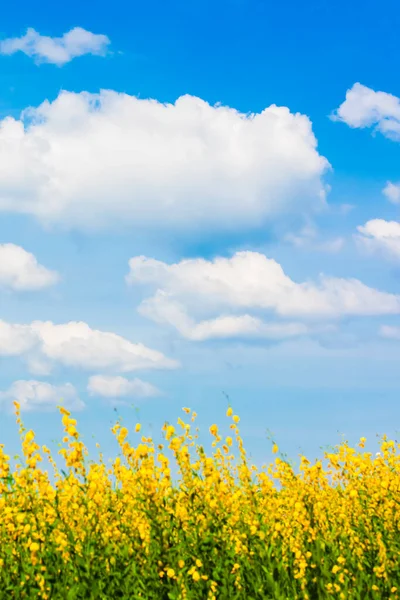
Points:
(229, 412)
(122, 435)
(34, 511)
(29, 437)
(169, 432)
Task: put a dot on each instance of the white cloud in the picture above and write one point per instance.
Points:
(162, 309)
(390, 332)
(364, 107)
(248, 281)
(120, 387)
(93, 161)
(246, 326)
(305, 237)
(57, 51)
(308, 237)
(392, 192)
(40, 396)
(345, 209)
(75, 344)
(332, 246)
(380, 236)
(19, 270)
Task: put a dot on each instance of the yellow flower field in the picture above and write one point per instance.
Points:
(225, 531)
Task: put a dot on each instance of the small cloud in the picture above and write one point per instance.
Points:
(120, 387)
(363, 107)
(57, 51)
(305, 237)
(392, 192)
(20, 271)
(35, 395)
(380, 237)
(44, 344)
(308, 237)
(390, 332)
(332, 246)
(345, 209)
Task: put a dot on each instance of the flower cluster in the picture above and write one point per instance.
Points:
(226, 530)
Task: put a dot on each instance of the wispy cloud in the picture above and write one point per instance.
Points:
(75, 344)
(309, 237)
(392, 192)
(249, 282)
(390, 332)
(56, 50)
(117, 387)
(35, 395)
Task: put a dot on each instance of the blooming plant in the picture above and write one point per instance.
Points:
(224, 531)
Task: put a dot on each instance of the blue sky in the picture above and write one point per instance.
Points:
(258, 207)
